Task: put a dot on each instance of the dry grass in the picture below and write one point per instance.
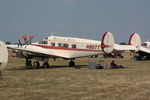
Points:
(64, 83)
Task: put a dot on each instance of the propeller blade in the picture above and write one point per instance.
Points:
(20, 44)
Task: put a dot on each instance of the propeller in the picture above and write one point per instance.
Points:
(20, 44)
(31, 37)
(26, 41)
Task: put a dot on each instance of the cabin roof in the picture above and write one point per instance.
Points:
(71, 39)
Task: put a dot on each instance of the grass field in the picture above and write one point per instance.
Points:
(64, 83)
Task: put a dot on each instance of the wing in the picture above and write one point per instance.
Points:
(121, 48)
(145, 49)
(36, 50)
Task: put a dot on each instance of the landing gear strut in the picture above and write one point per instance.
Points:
(36, 64)
(71, 63)
(28, 63)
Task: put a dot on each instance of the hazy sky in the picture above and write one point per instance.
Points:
(76, 18)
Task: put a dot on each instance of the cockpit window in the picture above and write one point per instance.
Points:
(63, 45)
(43, 42)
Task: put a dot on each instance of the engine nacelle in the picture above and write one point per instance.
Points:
(3, 55)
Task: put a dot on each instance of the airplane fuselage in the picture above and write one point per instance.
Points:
(67, 47)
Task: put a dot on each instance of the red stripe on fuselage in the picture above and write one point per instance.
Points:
(62, 48)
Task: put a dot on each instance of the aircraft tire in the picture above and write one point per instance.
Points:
(71, 63)
(46, 65)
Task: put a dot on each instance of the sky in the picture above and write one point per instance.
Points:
(74, 18)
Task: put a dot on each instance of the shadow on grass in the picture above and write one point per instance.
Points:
(51, 67)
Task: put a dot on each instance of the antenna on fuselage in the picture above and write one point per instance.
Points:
(52, 33)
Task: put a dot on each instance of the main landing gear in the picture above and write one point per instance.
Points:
(36, 64)
(45, 65)
(71, 63)
(28, 63)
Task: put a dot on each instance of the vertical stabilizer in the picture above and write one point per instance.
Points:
(108, 42)
(3, 55)
(135, 40)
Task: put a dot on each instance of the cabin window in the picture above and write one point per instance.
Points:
(60, 44)
(66, 45)
(73, 45)
(63, 45)
(52, 44)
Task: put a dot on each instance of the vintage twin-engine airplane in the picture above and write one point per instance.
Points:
(143, 50)
(71, 48)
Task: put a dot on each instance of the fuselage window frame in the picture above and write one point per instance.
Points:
(74, 46)
(53, 44)
(65, 45)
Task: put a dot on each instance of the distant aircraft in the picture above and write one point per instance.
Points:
(68, 48)
(3, 56)
(143, 50)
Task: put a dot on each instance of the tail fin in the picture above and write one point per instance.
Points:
(107, 44)
(135, 40)
(3, 55)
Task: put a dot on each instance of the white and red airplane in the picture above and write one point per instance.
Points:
(71, 48)
(143, 50)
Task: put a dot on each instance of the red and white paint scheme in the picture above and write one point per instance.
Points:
(143, 50)
(133, 45)
(68, 48)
